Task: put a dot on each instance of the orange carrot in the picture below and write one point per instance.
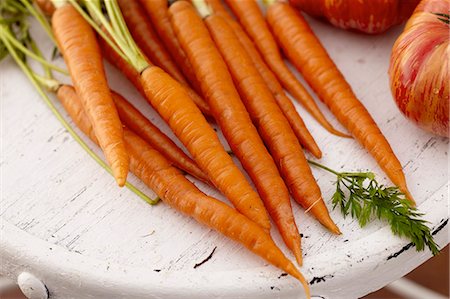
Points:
(134, 77)
(83, 58)
(175, 190)
(140, 125)
(253, 22)
(310, 57)
(276, 133)
(146, 38)
(171, 101)
(296, 122)
(157, 10)
(228, 110)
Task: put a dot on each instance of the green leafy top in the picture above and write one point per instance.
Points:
(359, 195)
(12, 15)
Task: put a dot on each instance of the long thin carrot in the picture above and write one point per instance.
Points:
(134, 77)
(276, 133)
(139, 124)
(146, 38)
(298, 126)
(157, 10)
(76, 40)
(229, 111)
(251, 18)
(175, 190)
(310, 57)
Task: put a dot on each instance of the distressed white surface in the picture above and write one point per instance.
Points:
(64, 220)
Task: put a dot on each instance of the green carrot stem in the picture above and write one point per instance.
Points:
(61, 119)
(7, 34)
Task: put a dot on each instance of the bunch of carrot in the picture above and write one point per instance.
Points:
(191, 60)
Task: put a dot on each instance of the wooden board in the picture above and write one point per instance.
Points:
(64, 219)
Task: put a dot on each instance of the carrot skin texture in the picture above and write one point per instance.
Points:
(309, 56)
(134, 77)
(184, 118)
(77, 41)
(141, 126)
(175, 190)
(276, 133)
(251, 18)
(296, 122)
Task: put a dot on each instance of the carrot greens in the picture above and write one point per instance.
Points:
(361, 196)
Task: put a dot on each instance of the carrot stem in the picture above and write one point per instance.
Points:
(97, 15)
(8, 35)
(35, 81)
(40, 18)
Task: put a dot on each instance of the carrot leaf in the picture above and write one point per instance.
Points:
(359, 195)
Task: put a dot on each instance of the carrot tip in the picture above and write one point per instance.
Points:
(297, 250)
(316, 152)
(121, 181)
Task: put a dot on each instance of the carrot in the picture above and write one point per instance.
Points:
(140, 125)
(276, 134)
(229, 111)
(157, 10)
(146, 38)
(82, 56)
(134, 77)
(175, 190)
(188, 124)
(251, 18)
(310, 57)
(296, 122)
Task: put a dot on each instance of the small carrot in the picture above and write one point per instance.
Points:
(157, 10)
(229, 111)
(276, 134)
(175, 190)
(134, 77)
(146, 38)
(76, 40)
(251, 18)
(298, 126)
(139, 124)
(306, 52)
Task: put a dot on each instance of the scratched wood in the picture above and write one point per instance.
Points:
(52, 190)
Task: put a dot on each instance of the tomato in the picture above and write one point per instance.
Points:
(369, 16)
(419, 69)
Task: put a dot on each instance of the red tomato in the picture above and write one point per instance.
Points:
(369, 16)
(419, 70)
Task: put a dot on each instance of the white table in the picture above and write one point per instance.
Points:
(64, 221)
